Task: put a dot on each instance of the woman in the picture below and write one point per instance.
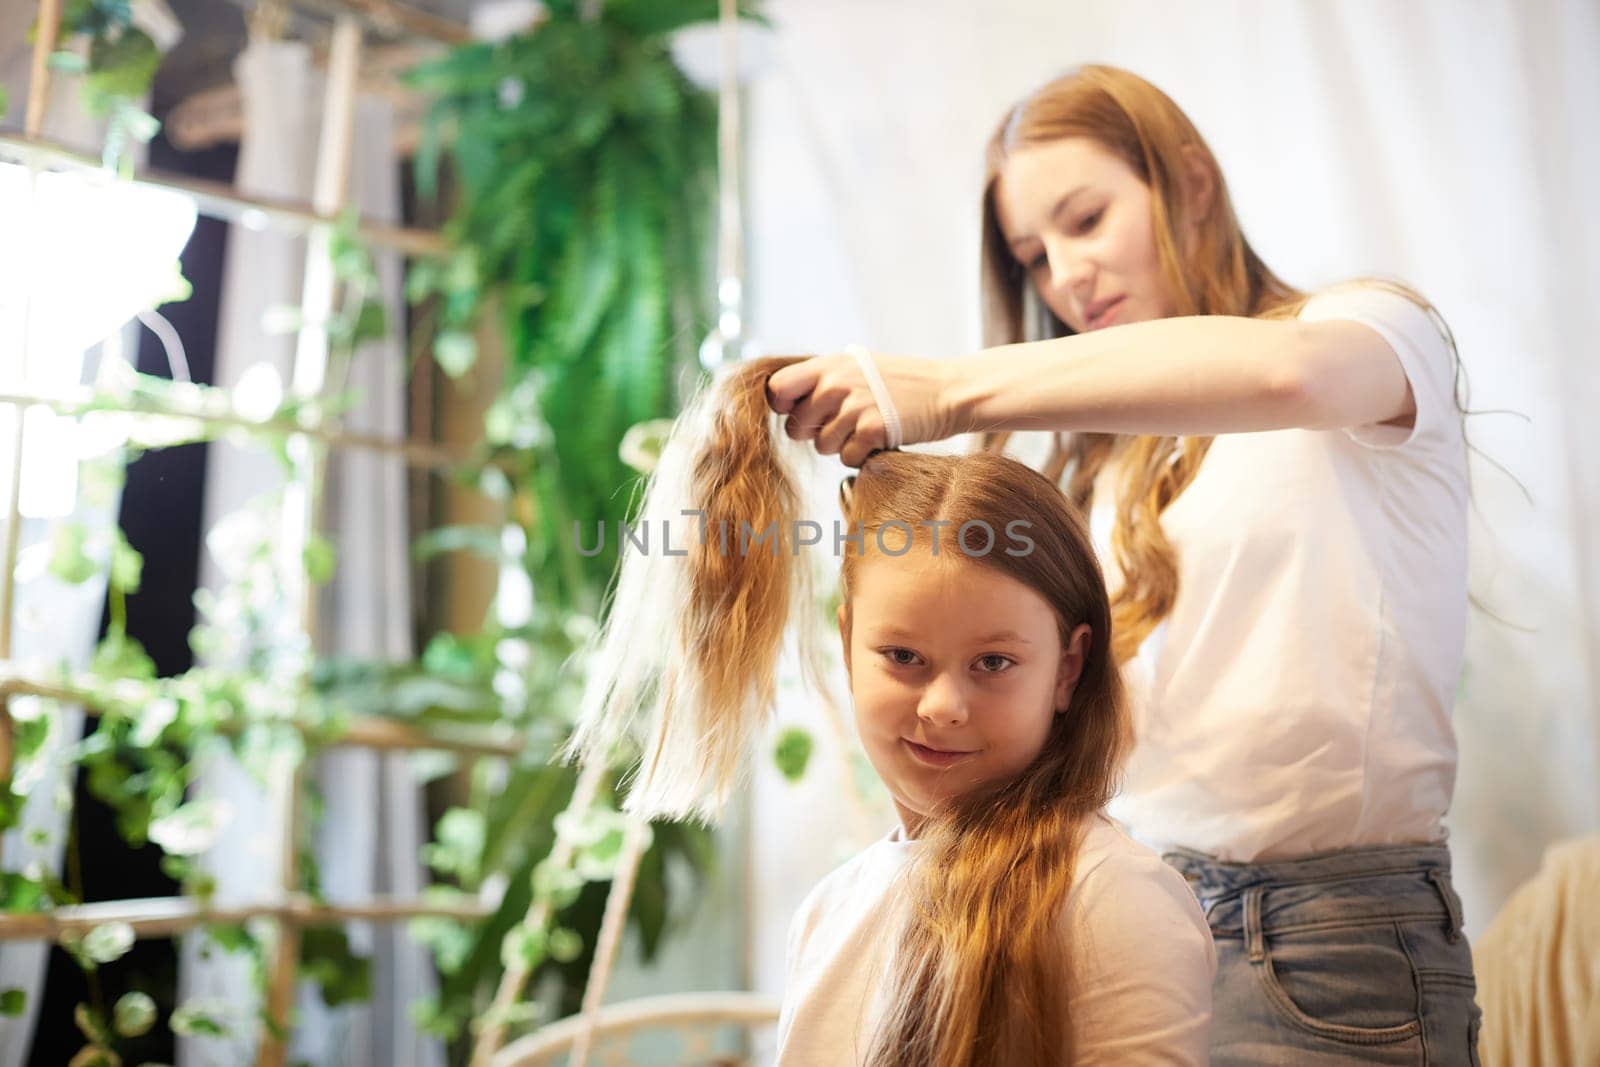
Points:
(1277, 483)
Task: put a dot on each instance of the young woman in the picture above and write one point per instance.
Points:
(1278, 486)
(1005, 920)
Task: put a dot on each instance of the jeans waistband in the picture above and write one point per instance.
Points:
(1213, 877)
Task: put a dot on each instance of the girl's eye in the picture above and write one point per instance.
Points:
(1004, 662)
(894, 655)
(1091, 221)
(1037, 262)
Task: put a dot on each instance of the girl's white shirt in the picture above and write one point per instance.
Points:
(1140, 956)
(1298, 698)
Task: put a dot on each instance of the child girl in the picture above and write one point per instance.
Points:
(1005, 920)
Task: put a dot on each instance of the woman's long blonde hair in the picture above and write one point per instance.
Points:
(684, 670)
(1215, 272)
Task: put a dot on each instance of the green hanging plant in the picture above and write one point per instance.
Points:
(585, 171)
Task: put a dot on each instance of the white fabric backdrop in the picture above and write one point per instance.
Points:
(1448, 144)
(373, 821)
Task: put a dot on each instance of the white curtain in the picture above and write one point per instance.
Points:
(373, 821)
(1449, 144)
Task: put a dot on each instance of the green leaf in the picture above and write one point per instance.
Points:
(89, 1024)
(319, 560)
(455, 351)
(19, 893)
(123, 67)
(108, 942)
(565, 945)
(68, 559)
(191, 829)
(792, 753)
(480, 540)
(12, 1001)
(133, 1015)
(201, 1018)
(121, 656)
(326, 958)
(372, 323)
(127, 565)
(523, 947)
(458, 847)
(68, 62)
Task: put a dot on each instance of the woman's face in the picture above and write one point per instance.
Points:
(956, 671)
(1078, 219)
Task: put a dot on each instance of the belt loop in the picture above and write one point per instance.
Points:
(1452, 903)
(1253, 940)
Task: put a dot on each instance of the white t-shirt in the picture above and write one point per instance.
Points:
(1140, 954)
(1298, 698)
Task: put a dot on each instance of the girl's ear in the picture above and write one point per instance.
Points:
(844, 637)
(1073, 654)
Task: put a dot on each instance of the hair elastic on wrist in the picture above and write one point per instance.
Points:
(880, 393)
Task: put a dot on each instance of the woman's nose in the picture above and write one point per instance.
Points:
(943, 703)
(1070, 274)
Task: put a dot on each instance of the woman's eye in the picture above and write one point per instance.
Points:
(1036, 262)
(1091, 221)
(1000, 662)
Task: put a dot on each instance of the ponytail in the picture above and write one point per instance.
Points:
(684, 665)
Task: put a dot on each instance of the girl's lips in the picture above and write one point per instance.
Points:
(1105, 317)
(933, 758)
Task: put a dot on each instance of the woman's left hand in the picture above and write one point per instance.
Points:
(828, 401)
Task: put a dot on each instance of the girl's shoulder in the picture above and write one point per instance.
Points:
(855, 895)
(861, 878)
(1118, 880)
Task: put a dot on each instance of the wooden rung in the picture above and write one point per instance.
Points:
(220, 200)
(425, 454)
(363, 731)
(153, 917)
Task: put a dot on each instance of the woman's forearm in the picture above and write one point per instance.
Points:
(1181, 376)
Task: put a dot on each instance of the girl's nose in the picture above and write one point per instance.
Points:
(943, 703)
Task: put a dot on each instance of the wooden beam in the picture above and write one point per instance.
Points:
(154, 917)
(219, 200)
(363, 731)
(425, 454)
(216, 115)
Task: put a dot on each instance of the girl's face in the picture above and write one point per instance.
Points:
(956, 671)
(1078, 219)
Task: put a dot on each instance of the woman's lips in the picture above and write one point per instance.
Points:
(1104, 318)
(932, 757)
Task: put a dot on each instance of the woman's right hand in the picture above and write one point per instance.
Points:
(829, 402)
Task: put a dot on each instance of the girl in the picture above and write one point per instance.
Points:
(1005, 920)
(1289, 596)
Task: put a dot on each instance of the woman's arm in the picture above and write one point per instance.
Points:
(1202, 374)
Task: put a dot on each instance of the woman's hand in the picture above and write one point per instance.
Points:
(828, 401)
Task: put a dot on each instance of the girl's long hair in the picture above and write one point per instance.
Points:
(980, 976)
(1214, 273)
(980, 966)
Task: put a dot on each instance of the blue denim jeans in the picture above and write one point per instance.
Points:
(1349, 957)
